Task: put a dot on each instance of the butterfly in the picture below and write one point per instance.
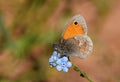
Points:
(74, 41)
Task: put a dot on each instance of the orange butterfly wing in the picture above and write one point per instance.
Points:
(72, 30)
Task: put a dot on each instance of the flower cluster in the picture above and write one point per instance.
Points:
(61, 63)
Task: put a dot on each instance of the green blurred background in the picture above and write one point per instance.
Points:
(28, 28)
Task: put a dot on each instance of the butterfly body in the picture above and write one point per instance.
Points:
(74, 41)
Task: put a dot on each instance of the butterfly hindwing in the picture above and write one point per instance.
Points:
(79, 46)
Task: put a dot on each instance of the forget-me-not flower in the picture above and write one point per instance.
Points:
(53, 59)
(63, 64)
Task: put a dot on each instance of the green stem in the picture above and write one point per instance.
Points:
(82, 73)
(5, 32)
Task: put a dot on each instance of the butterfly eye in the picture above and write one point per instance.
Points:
(75, 23)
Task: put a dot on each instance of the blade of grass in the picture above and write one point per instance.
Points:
(3, 29)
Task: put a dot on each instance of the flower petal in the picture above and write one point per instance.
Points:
(69, 64)
(51, 59)
(65, 69)
(65, 59)
(58, 54)
(55, 58)
(59, 68)
(53, 64)
(54, 53)
(59, 61)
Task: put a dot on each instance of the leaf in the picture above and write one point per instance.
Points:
(76, 68)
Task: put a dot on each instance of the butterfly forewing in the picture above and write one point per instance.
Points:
(76, 26)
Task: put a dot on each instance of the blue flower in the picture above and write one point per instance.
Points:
(60, 62)
(63, 64)
(54, 58)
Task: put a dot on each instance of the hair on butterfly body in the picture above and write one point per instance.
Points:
(65, 47)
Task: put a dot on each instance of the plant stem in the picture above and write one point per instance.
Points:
(82, 73)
